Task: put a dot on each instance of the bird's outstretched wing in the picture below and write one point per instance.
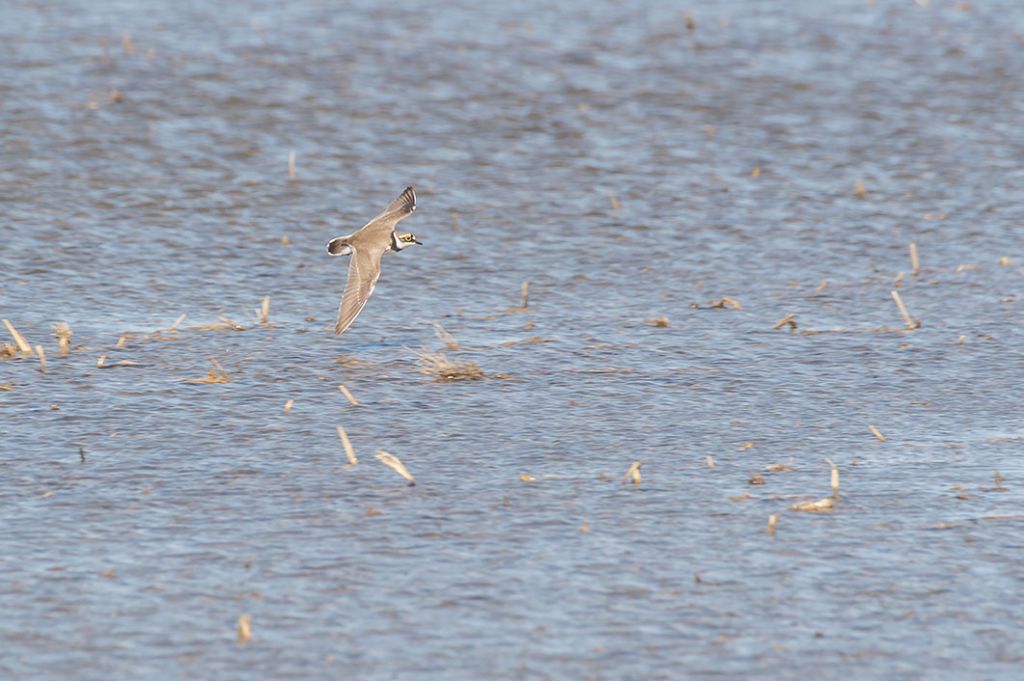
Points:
(363, 273)
(399, 209)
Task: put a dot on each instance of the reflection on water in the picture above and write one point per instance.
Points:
(631, 163)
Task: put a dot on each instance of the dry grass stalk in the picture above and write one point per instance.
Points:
(449, 341)
(915, 264)
(7, 351)
(177, 322)
(756, 172)
(215, 375)
(393, 462)
(876, 433)
(288, 406)
(633, 474)
(709, 461)
(585, 526)
(6, 387)
(349, 451)
(910, 322)
(63, 333)
(773, 520)
(826, 505)
(789, 319)
(22, 344)
(614, 201)
(661, 322)
(822, 286)
(122, 341)
(455, 220)
(858, 189)
(348, 395)
(756, 479)
(265, 310)
(126, 43)
(438, 365)
(1006, 261)
(834, 479)
(42, 358)
(244, 627)
(525, 290)
(291, 165)
(526, 477)
(225, 325)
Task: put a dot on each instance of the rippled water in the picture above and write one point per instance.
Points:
(606, 154)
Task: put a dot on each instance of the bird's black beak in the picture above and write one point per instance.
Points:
(417, 241)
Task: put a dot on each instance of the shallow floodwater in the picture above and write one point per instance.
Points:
(630, 163)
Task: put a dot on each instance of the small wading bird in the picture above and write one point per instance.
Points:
(367, 247)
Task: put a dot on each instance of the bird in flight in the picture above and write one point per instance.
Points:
(367, 246)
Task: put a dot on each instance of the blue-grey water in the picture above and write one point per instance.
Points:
(631, 160)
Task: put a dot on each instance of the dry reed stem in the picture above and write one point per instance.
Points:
(122, 341)
(661, 322)
(244, 628)
(915, 264)
(225, 325)
(265, 310)
(177, 322)
(826, 505)
(633, 474)
(709, 461)
(756, 172)
(788, 319)
(455, 220)
(822, 286)
(215, 375)
(349, 451)
(6, 387)
(42, 358)
(773, 520)
(876, 433)
(7, 351)
(348, 395)
(438, 365)
(585, 526)
(910, 322)
(833, 479)
(526, 477)
(449, 341)
(22, 344)
(1006, 261)
(288, 406)
(291, 165)
(616, 204)
(63, 333)
(859, 190)
(525, 290)
(395, 464)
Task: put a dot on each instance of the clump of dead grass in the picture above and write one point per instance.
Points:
(443, 368)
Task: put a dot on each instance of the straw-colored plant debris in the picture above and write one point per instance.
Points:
(244, 627)
(756, 172)
(910, 321)
(756, 479)
(264, 313)
(709, 461)
(877, 433)
(834, 479)
(288, 406)
(8, 350)
(826, 505)
(6, 387)
(449, 341)
(215, 375)
(773, 520)
(19, 340)
(778, 467)
(822, 286)
(63, 334)
(726, 301)
(915, 264)
(660, 322)
(224, 325)
(585, 526)
(177, 322)
(348, 396)
(859, 190)
(393, 462)
(525, 307)
(1006, 261)
(633, 474)
(291, 165)
(789, 320)
(438, 364)
(349, 451)
(526, 477)
(614, 201)
(42, 358)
